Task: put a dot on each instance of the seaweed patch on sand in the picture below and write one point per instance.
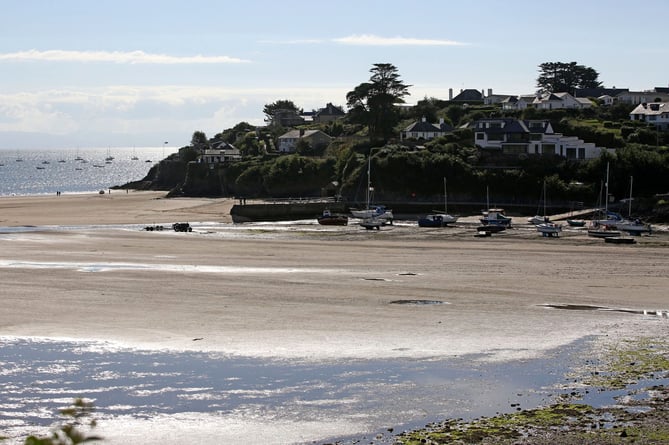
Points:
(621, 396)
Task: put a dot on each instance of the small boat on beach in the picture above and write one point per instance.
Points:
(495, 217)
(576, 223)
(546, 227)
(330, 219)
(438, 219)
(549, 229)
(491, 228)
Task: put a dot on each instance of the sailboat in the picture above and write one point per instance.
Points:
(629, 225)
(379, 215)
(547, 228)
(438, 219)
(604, 228)
(134, 156)
(494, 217)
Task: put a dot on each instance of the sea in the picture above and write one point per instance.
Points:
(74, 170)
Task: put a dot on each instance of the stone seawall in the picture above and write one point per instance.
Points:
(284, 211)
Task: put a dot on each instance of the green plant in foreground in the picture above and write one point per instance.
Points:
(72, 432)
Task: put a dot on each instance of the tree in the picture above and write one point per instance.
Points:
(560, 77)
(199, 140)
(374, 103)
(280, 107)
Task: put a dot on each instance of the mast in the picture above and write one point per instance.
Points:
(445, 197)
(629, 208)
(369, 179)
(606, 197)
(544, 198)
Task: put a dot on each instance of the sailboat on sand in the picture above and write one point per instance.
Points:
(547, 228)
(376, 217)
(438, 219)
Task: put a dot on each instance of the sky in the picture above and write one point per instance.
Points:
(120, 73)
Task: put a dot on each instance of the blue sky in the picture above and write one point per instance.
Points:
(138, 73)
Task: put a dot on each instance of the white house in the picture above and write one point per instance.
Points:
(221, 153)
(288, 141)
(517, 102)
(656, 113)
(533, 137)
(425, 130)
(553, 101)
(640, 97)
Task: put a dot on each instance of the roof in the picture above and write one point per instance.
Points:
(297, 134)
(423, 126)
(468, 94)
(330, 110)
(512, 125)
(651, 109)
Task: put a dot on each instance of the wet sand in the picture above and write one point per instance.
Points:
(310, 293)
(82, 267)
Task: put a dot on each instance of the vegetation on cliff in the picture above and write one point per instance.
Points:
(413, 170)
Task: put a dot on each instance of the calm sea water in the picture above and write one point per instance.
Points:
(36, 172)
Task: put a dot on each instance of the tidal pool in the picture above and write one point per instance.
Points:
(275, 401)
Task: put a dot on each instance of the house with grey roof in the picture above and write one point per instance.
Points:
(656, 113)
(328, 114)
(424, 130)
(466, 96)
(315, 138)
(532, 137)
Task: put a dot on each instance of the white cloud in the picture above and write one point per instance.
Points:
(131, 57)
(373, 40)
(139, 113)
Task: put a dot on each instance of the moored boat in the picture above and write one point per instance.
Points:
(330, 219)
(549, 229)
(495, 217)
(436, 220)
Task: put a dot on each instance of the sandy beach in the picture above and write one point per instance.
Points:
(308, 292)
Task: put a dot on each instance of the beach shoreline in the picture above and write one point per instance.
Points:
(83, 268)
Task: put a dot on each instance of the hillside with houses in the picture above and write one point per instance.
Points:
(509, 143)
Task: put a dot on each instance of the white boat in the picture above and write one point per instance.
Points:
(495, 217)
(379, 215)
(605, 228)
(549, 229)
(629, 225)
(438, 219)
(538, 219)
(377, 212)
(545, 227)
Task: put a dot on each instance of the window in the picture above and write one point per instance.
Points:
(548, 149)
(581, 153)
(480, 136)
(513, 149)
(571, 153)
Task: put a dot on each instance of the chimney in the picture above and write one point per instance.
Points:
(301, 132)
(450, 94)
(489, 92)
(423, 119)
(441, 121)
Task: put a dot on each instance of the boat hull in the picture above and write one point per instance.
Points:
(437, 220)
(335, 220)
